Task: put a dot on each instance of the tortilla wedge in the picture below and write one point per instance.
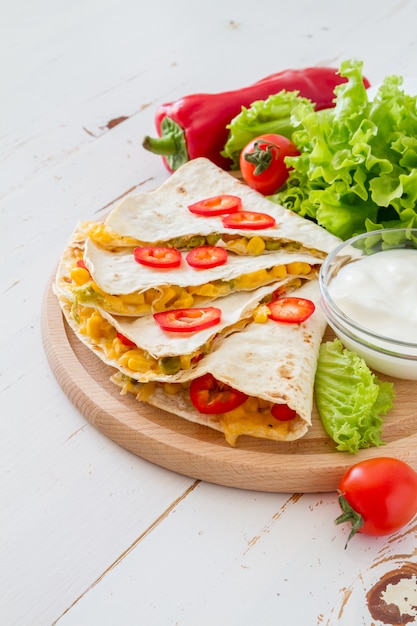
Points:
(273, 363)
(156, 354)
(162, 217)
(119, 285)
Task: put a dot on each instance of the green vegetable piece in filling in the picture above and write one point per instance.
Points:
(86, 295)
(272, 244)
(350, 398)
(170, 364)
(196, 241)
(212, 239)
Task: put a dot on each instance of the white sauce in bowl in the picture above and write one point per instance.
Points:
(379, 292)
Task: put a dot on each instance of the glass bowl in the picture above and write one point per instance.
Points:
(368, 290)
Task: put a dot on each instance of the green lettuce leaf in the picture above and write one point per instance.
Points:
(350, 398)
(357, 170)
(273, 115)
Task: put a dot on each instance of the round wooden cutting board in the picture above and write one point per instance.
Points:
(311, 464)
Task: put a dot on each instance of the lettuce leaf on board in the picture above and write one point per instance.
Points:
(357, 170)
(350, 398)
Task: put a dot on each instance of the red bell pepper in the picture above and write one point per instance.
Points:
(196, 125)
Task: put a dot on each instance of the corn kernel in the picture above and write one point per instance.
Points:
(126, 356)
(80, 275)
(185, 360)
(185, 301)
(278, 271)
(138, 364)
(94, 326)
(261, 314)
(209, 290)
(162, 302)
(253, 279)
(256, 245)
(298, 267)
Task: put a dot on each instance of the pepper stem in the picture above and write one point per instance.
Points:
(171, 144)
(349, 515)
(163, 146)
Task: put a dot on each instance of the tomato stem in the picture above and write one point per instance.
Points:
(261, 157)
(349, 515)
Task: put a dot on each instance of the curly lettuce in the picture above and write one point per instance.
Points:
(350, 398)
(276, 114)
(357, 170)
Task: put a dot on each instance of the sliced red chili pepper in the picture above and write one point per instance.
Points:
(206, 257)
(158, 256)
(188, 320)
(248, 220)
(210, 396)
(282, 412)
(125, 340)
(291, 310)
(217, 205)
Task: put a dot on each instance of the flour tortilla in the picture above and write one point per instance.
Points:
(273, 361)
(158, 216)
(236, 311)
(118, 273)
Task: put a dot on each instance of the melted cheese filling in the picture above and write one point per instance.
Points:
(253, 417)
(133, 359)
(86, 291)
(105, 237)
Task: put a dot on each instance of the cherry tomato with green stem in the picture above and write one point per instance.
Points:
(262, 162)
(378, 496)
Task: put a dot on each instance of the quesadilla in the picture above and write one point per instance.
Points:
(114, 282)
(273, 364)
(162, 217)
(140, 349)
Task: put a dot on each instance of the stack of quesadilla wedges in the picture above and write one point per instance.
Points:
(112, 303)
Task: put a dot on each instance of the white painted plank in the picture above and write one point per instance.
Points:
(95, 64)
(232, 557)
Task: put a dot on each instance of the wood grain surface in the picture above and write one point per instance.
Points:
(311, 464)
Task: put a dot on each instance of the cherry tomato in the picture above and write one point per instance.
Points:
(248, 220)
(188, 320)
(282, 412)
(125, 340)
(210, 396)
(157, 256)
(262, 162)
(205, 257)
(217, 205)
(291, 310)
(378, 496)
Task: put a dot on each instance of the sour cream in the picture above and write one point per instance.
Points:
(379, 293)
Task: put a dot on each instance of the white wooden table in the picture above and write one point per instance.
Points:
(91, 534)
